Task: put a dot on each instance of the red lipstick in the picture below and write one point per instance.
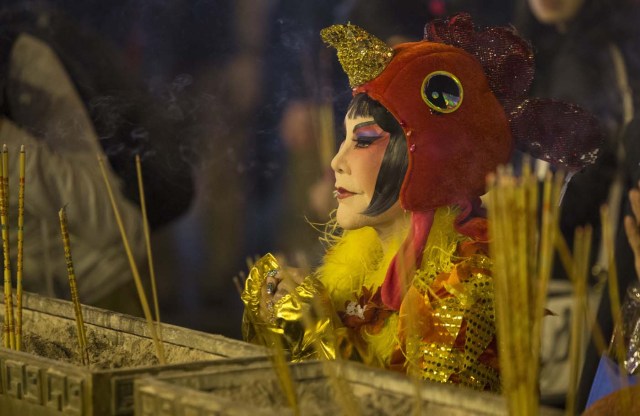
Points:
(342, 193)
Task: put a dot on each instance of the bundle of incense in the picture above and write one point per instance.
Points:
(82, 338)
(20, 259)
(522, 252)
(134, 268)
(8, 329)
(147, 239)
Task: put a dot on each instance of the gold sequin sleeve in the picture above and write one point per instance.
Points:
(304, 320)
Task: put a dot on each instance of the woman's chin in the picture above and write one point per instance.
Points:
(348, 220)
(346, 225)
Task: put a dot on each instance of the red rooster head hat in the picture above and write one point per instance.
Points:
(459, 96)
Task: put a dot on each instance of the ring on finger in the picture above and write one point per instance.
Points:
(271, 288)
(273, 273)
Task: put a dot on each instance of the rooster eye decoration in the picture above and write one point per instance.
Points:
(442, 92)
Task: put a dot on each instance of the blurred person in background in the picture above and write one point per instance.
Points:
(177, 83)
(586, 51)
(68, 96)
(126, 118)
(43, 111)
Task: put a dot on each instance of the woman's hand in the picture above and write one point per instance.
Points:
(278, 283)
(632, 227)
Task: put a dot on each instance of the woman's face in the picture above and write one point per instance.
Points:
(555, 12)
(356, 166)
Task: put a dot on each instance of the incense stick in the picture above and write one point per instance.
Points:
(6, 286)
(147, 239)
(238, 284)
(616, 309)
(413, 346)
(9, 329)
(550, 214)
(278, 360)
(278, 356)
(283, 372)
(342, 392)
(579, 272)
(327, 140)
(73, 287)
(134, 267)
(20, 259)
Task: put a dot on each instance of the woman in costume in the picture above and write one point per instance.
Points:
(406, 283)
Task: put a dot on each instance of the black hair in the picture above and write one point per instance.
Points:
(395, 159)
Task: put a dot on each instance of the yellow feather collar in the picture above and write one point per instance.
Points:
(357, 259)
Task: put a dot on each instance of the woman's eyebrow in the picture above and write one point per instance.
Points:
(363, 124)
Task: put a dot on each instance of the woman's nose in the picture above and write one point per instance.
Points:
(338, 163)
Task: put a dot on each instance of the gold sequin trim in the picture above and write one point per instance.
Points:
(449, 315)
(439, 362)
(480, 377)
(480, 319)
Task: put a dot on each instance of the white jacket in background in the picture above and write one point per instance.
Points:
(49, 118)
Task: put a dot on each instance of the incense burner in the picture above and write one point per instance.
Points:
(321, 388)
(47, 378)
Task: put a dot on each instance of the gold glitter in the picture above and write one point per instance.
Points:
(362, 55)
